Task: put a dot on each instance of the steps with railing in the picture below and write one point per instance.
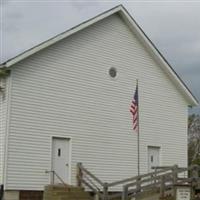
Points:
(162, 179)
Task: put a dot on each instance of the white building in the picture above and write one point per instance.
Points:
(59, 100)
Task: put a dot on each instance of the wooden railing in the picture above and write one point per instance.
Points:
(86, 178)
(55, 175)
(162, 179)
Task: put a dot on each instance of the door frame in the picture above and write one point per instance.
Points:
(70, 155)
(153, 146)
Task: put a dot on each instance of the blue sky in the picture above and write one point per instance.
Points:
(173, 26)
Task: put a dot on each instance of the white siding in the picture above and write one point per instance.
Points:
(65, 90)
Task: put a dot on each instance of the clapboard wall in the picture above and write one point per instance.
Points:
(65, 90)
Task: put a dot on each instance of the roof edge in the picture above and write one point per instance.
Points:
(158, 56)
(60, 36)
(132, 25)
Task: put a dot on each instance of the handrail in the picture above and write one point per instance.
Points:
(147, 180)
(122, 181)
(80, 166)
(90, 180)
(55, 174)
(163, 177)
(162, 167)
(164, 180)
(83, 175)
(136, 177)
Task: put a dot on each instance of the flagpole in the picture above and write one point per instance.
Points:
(138, 134)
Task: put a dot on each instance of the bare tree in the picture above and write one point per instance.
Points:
(194, 139)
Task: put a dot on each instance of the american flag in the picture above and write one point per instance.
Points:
(134, 109)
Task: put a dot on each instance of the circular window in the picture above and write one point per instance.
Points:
(113, 72)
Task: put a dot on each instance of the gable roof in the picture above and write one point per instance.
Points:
(123, 13)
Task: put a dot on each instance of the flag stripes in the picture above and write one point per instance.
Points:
(134, 109)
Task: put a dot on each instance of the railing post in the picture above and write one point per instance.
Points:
(162, 187)
(138, 184)
(53, 177)
(105, 191)
(79, 174)
(175, 174)
(195, 171)
(175, 178)
(155, 175)
(125, 193)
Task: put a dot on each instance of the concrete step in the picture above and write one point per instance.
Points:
(61, 192)
(63, 188)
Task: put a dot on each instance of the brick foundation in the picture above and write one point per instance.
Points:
(31, 195)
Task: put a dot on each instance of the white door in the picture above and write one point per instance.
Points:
(60, 159)
(153, 157)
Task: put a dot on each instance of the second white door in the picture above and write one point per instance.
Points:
(153, 157)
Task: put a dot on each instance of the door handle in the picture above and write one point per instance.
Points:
(67, 164)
